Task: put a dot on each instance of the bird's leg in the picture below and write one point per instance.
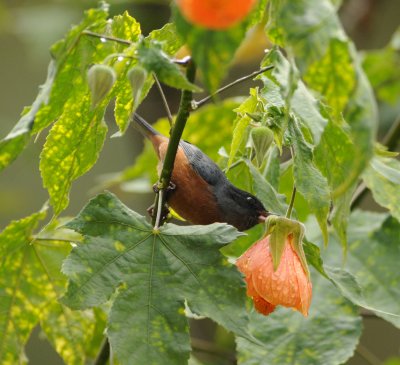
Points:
(164, 214)
(171, 187)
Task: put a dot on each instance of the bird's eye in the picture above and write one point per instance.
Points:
(249, 198)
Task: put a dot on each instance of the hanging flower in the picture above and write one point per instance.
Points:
(275, 269)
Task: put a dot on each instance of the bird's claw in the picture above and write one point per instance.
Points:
(171, 187)
(164, 214)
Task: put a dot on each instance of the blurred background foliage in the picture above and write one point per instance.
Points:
(29, 27)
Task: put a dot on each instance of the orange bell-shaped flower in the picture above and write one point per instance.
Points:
(289, 285)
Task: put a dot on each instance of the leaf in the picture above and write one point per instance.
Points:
(308, 179)
(124, 106)
(154, 272)
(152, 57)
(273, 202)
(212, 50)
(72, 147)
(312, 32)
(73, 55)
(242, 121)
(333, 75)
(13, 144)
(370, 277)
(328, 336)
(30, 282)
(383, 178)
(381, 67)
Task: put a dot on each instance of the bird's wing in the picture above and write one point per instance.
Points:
(202, 164)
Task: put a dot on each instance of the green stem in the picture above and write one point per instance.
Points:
(291, 204)
(176, 134)
(164, 99)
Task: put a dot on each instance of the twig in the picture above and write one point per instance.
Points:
(199, 103)
(291, 204)
(176, 134)
(109, 38)
(164, 99)
(390, 140)
(104, 353)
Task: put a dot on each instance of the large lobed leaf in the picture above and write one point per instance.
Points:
(153, 273)
(30, 283)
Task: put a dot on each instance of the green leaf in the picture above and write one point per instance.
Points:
(333, 75)
(328, 336)
(242, 121)
(13, 144)
(383, 178)
(370, 277)
(73, 55)
(308, 179)
(312, 32)
(213, 51)
(154, 59)
(124, 104)
(284, 94)
(21, 291)
(154, 273)
(273, 202)
(72, 147)
(30, 283)
(381, 67)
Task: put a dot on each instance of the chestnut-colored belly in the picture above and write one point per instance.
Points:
(192, 198)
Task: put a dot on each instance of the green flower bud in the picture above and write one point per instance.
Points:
(101, 79)
(261, 139)
(137, 77)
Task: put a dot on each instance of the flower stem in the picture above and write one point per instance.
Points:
(290, 208)
(176, 134)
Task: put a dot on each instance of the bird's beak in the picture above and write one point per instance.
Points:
(263, 216)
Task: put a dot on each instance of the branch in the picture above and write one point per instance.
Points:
(390, 140)
(176, 134)
(164, 99)
(199, 103)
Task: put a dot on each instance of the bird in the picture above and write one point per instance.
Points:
(200, 192)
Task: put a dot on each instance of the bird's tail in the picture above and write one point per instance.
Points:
(145, 128)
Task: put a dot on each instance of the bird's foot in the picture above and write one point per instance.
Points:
(171, 187)
(164, 214)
